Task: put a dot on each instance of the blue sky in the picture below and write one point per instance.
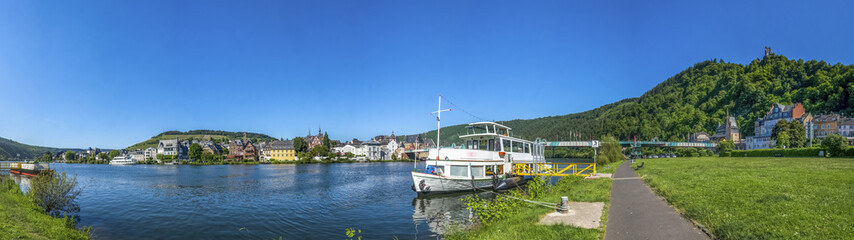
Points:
(112, 73)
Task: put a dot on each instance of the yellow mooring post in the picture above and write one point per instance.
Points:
(594, 169)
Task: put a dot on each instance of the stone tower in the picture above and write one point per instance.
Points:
(767, 51)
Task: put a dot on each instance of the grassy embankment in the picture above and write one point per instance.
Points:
(20, 218)
(523, 224)
(759, 198)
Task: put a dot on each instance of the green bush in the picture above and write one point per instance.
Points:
(835, 144)
(56, 193)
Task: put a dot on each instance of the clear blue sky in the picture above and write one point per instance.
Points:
(112, 73)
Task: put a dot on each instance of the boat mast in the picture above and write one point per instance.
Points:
(438, 113)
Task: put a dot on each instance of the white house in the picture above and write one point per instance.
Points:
(374, 150)
(150, 153)
(347, 149)
(169, 147)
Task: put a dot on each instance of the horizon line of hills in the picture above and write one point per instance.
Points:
(693, 100)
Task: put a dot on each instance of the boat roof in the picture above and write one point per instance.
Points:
(490, 123)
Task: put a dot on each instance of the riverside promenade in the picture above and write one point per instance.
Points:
(637, 213)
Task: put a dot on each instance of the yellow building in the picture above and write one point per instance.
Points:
(282, 151)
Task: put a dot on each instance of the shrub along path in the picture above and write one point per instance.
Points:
(637, 213)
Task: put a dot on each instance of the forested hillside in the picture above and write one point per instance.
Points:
(9, 150)
(698, 98)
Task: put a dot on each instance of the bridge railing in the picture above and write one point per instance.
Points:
(554, 169)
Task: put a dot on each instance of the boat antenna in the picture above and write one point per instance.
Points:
(438, 113)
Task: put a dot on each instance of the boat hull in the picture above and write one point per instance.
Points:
(26, 172)
(122, 163)
(425, 184)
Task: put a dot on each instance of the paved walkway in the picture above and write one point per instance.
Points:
(637, 213)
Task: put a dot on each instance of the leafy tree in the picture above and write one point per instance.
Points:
(114, 154)
(797, 135)
(70, 156)
(781, 126)
(834, 144)
(300, 145)
(782, 139)
(102, 156)
(224, 151)
(46, 157)
(195, 151)
(326, 143)
(609, 151)
(725, 147)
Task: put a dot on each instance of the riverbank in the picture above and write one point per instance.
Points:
(759, 198)
(20, 218)
(523, 223)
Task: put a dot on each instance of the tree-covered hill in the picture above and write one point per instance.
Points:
(698, 98)
(214, 135)
(9, 150)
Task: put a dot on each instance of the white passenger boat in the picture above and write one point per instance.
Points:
(123, 160)
(488, 153)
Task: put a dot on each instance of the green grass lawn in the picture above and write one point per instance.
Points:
(610, 168)
(20, 218)
(759, 198)
(523, 225)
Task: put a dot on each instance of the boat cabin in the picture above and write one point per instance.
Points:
(488, 149)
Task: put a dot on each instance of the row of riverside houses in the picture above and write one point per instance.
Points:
(237, 150)
(384, 147)
(817, 127)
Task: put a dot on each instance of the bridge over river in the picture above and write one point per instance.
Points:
(595, 144)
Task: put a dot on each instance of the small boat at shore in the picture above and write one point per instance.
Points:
(29, 169)
(123, 160)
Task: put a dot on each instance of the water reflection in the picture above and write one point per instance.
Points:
(444, 213)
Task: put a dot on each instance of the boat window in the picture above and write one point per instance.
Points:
(527, 148)
(506, 145)
(438, 170)
(482, 145)
(517, 147)
(459, 171)
(477, 171)
(468, 143)
(491, 146)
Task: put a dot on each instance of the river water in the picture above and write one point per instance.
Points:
(307, 201)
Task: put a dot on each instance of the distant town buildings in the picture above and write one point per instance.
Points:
(763, 127)
(700, 137)
(282, 150)
(826, 124)
(169, 147)
(314, 140)
(242, 149)
(728, 131)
